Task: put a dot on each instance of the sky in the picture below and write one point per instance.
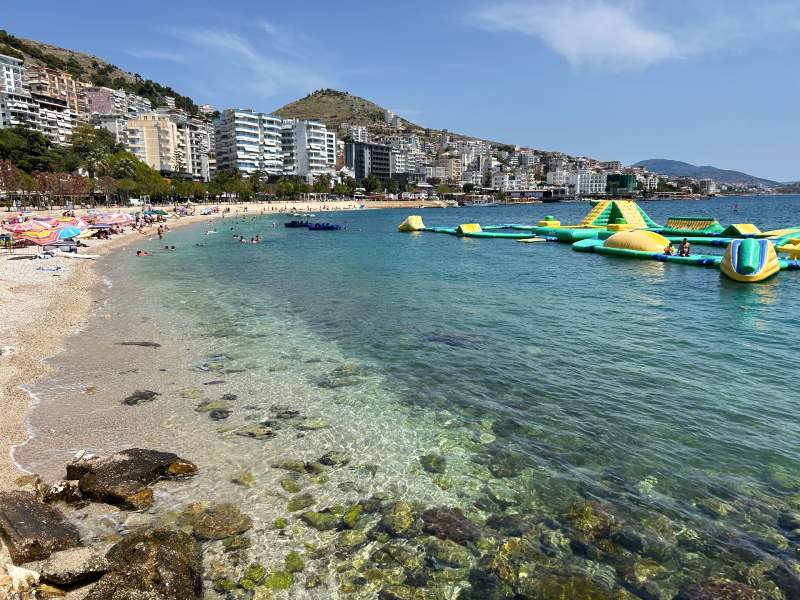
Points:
(704, 81)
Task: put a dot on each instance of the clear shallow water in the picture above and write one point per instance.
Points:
(545, 378)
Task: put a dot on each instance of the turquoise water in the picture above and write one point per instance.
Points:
(563, 387)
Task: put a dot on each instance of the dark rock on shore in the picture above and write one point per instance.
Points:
(140, 396)
(32, 530)
(219, 414)
(219, 522)
(64, 491)
(334, 459)
(71, 567)
(122, 479)
(450, 524)
(156, 564)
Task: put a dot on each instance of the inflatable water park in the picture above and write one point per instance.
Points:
(621, 228)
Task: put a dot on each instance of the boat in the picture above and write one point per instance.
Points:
(296, 224)
(324, 227)
(479, 203)
(297, 214)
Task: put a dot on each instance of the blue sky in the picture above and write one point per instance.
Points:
(705, 81)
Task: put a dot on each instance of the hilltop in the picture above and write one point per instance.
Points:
(333, 107)
(88, 68)
(676, 168)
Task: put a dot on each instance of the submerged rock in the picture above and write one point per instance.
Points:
(448, 553)
(140, 396)
(450, 524)
(433, 463)
(142, 344)
(590, 519)
(211, 405)
(220, 521)
(219, 414)
(155, 564)
(311, 424)
(255, 432)
(122, 479)
(293, 563)
(321, 521)
(398, 518)
(346, 375)
(719, 589)
(334, 459)
(291, 485)
(32, 530)
(300, 502)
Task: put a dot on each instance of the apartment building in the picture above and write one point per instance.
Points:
(557, 177)
(56, 120)
(368, 159)
(249, 141)
(358, 133)
(587, 182)
(153, 137)
(107, 101)
(306, 151)
(60, 85)
(11, 74)
(611, 165)
(452, 168)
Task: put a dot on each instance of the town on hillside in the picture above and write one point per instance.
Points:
(233, 151)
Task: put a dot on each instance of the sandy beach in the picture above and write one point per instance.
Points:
(41, 308)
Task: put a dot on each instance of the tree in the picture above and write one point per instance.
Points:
(29, 150)
(468, 188)
(444, 189)
(392, 186)
(121, 165)
(371, 184)
(341, 189)
(258, 179)
(351, 184)
(107, 185)
(94, 146)
(10, 176)
(322, 184)
(182, 188)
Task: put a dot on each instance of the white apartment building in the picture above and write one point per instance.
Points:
(611, 165)
(473, 177)
(55, 119)
(558, 177)
(358, 133)
(501, 181)
(587, 182)
(11, 74)
(398, 161)
(248, 141)
(452, 167)
(305, 149)
(116, 124)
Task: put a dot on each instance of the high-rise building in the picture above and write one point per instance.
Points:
(153, 138)
(60, 85)
(50, 116)
(368, 159)
(106, 101)
(248, 141)
(11, 74)
(309, 149)
(358, 133)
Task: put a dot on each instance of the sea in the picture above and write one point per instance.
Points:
(631, 423)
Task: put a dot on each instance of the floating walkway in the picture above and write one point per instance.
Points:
(621, 228)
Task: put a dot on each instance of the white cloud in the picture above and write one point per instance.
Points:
(586, 33)
(262, 74)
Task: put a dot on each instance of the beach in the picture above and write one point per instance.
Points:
(41, 308)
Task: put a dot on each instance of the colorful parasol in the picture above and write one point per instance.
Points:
(70, 222)
(67, 233)
(25, 226)
(41, 237)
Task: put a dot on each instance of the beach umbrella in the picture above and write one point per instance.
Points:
(41, 237)
(24, 226)
(66, 233)
(70, 222)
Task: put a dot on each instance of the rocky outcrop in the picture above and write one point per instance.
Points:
(71, 567)
(155, 564)
(123, 479)
(32, 530)
(719, 589)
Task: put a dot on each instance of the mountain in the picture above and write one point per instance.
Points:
(88, 68)
(333, 108)
(676, 168)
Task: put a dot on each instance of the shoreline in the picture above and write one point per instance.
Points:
(31, 299)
